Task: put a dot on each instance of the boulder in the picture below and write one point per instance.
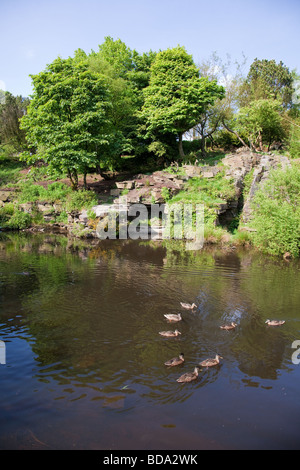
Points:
(26, 207)
(192, 170)
(125, 185)
(5, 196)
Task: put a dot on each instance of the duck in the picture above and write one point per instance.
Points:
(188, 306)
(175, 361)
(211, 362)
(229, 327)
(173, 316)
(189, 376)
(170, 334)
(275, 322)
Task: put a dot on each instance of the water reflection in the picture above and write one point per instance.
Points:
(91, 317)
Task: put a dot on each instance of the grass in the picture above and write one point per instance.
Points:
(9, 171)
(276, 215)
(209, 191)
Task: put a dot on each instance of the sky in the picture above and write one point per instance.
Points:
(35, 32)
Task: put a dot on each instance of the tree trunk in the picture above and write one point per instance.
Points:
(260, 141)
(74, 179)
(103, 175)
(203, 152)
(84, 181)
(236, 134)
(181, 152)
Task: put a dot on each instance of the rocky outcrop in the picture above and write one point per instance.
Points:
(158, 187)
(261, 173)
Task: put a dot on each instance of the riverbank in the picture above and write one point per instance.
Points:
(227, 187)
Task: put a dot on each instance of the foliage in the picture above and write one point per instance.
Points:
(176, 96)
(13, 218)
(56, 192)
(19, 220)
(165, 193)
(29, 192)
(268, 80)
(67, 117)
(80, 199)
(294, 139)
(261, 122)
(209, 192)
(9, 167)
(277, 213)
(230, 76)
(11, 110)
(128, 72)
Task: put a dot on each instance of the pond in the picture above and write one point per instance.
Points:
(84, 362)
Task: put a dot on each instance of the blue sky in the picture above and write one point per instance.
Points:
(34, 32)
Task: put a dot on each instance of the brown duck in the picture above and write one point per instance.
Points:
(211, 362)
(170, 334)
(175, 361)
(173, 317)
(188, 306)
(229, 327)
(189, 376)
(275, 322)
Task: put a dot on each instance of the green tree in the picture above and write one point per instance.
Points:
(127, 73)
(11, 110)
(268, 80)
(261, 122)
(176, 96)
(221, 113)
(67, 118)
(294, 139)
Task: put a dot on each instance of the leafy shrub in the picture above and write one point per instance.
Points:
(165, 193)
(30, 192)
(277, 213)
(294, 140)
(77, 200)
(19, 220)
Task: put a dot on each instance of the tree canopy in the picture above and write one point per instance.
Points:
(91, 110)
(12, 108)
(176, 96)
(67, 117)
(268, 80)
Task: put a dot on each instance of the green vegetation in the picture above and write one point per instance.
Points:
(277, 213)
(13, 218)
(176, 95)
(116, 110)
(294, 139)
(212, 192)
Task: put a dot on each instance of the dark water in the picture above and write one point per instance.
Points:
(84, 365)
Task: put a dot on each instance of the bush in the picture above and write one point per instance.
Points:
(13, 218)
(19, 220)
(77, 200)
(30, 192)
(294, 140)
(277, 213)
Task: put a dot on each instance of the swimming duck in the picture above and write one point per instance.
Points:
(175, 361)
(211, 362)
(188, 306)
(170, 334)
(189, 376)
(229, 327)
(275, 322)
(173, 316)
